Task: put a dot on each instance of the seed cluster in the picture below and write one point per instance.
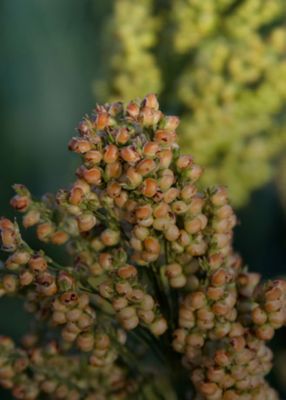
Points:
(150, 255)
(34, 370)
(262, 306)
(226, 316)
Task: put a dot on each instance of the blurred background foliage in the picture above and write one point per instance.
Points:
(219, 64)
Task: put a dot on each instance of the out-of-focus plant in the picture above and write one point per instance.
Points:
(281, 181)
(153, 302)
(220, 65)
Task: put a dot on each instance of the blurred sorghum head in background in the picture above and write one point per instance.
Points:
(220, 65)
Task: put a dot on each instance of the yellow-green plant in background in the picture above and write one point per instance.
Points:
(220, 65)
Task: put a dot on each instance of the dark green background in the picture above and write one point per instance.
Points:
(50, 55)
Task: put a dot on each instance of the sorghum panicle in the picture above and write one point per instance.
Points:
(150, 255)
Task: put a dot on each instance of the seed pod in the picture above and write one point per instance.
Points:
(159, 326)
(165, 158)
(76, 196)
(85, 341)
(92, 158)
(44, 231)
(150, 101)
(59, 238)
(85, 321)
(111, 154)
(195, 300)
(129, 154)
(130, 323)
(149, 187)
(171, 232)
(173, 270)
(265, 332)
(259, 316)
(133, 177)
(145, 167)
(150, 149)
(59, 317)
(143, 212)
(38, 263)
(122, 136)
(222, 358)
(92, 176)
(277, 319)
(10, 283)
(105, 261)
(170, 195)
(73, 315)
(208, 388)
(69, 298)
(194, 172)
(46, 284)
(119, 303)
(20, 203)
(31, 218)
(152, 245)
(220, 197)
(20, 257)
(106, 290)
(26, 278)
(8, 239)
(147, 303)
(83, 300)
(123, 288)
(128, 271)
(147, 316)
(110, 237)
(126, 313)
(102, 120)
(86, 222)
(178, 281)
(136, 296)
(79, 145)
(219, 277)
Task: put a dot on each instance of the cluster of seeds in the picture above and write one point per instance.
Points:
(33, 371)
(207, 311)
(72, 311)
(234, 369)
(149, 253)
(221, 330)
(265, 309)
(51, 295)
(119, 283)
(51, 223)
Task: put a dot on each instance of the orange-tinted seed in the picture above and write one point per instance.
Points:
(150, 149)
(111, 154)
(59, 237)
(122, 136)
(79, 145)
(149, 188)
(113, 170)
(102, 120)
(37, 263)
(92, 176)
(152, 244)
(144, 167)
(92, 157)
(129, 154)
(20, 203)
